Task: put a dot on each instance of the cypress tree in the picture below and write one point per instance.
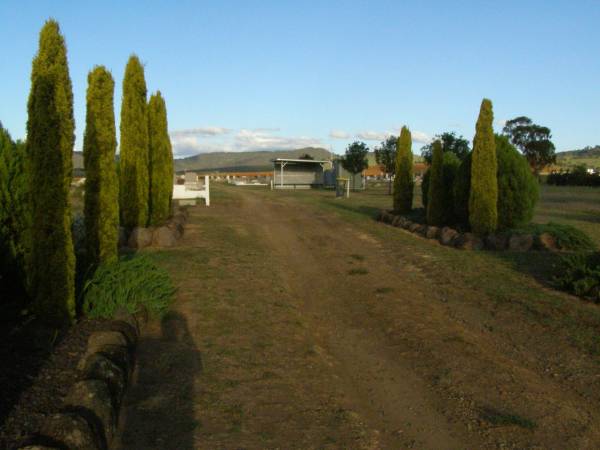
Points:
(483, 199)
(101, 201)
(403, 181)
(133, 170)
(161, 161)
(50, 139)
(436, 194)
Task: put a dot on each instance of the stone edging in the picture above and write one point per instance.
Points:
(159, 237)
(89, 416)
(468, 241)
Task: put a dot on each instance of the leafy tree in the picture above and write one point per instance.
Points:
(435, 194)
(385, 155)
(518, 189)
(483, 199)
(6, 252)
(533, 140)
(50, 139)
(134, 182)
(355, 159)
(403, 180)
(450, 144)
(161, 161)
(306, 156)
(101, 201)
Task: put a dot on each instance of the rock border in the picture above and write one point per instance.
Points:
(164, 236)
(515, 242)
(89, 415)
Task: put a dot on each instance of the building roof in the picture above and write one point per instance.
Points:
(315, 161)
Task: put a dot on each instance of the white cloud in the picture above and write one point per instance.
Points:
(201, 131)
(339, 134)
(249, 140)
(420, 137)
(372, 135)
(188, 143)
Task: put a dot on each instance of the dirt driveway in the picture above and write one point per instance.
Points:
(296, 329)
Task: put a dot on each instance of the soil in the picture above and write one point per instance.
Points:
(294, 329)
(38, 367)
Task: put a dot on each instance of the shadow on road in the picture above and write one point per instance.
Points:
(159, 408)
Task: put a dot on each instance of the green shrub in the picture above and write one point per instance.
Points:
(518, 190)
(435, 193)
(452, 165)
(161, 161)
(461, 191)
(50, 140)
(580, 274)
(133, 170)
(131, 283)
(403, 180)
(567, 237)
(101, 188)
(483, 198)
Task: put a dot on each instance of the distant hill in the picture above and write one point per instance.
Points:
(244, 161)
(238, 161)
(589, 156)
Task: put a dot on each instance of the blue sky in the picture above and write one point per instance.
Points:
(248, 75)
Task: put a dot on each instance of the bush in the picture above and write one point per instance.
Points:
(435, 193)
(580, 274)
(566, 236)
(131, 283)
(451, 167)
(578, 176)
(483, 198)
(518, 190)
(461, 191)
(403, 179)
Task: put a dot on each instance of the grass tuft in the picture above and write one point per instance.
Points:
(131, 282)
(358, 271)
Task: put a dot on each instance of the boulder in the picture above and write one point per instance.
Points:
(547, 242)
(123, 315)
(114, 346)
(406, 224)
(432, 232)
(497, 242)
(122, 237)
(98, 367)
(176, 228)
(520, 242)
(448, 235)
(468, 241)
(70, 430)
(92, 400)
(163, 237)
(396, 220)
(414, 227)
(140, 238)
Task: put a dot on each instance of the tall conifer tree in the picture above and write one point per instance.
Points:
(50, 139)
(436, 194)
(101, 185)
(161, 161)
(483, 199)
(403, 181)
(133, 170)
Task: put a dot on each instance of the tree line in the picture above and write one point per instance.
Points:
(35, 176)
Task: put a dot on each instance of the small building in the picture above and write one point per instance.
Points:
(357, 180)
(298, 173)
